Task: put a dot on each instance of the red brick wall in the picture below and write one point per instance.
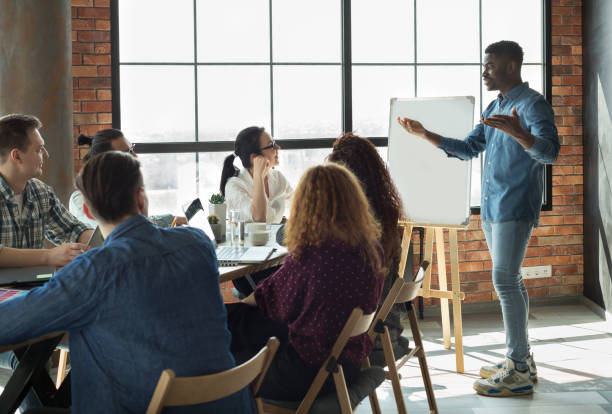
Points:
(91, 73)
(558, 240)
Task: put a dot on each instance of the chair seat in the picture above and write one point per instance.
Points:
(367, 381)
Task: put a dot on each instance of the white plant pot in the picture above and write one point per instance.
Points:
(220, 210)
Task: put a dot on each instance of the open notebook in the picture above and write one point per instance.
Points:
(226, 255)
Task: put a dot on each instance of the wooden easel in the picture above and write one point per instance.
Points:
(435, 231)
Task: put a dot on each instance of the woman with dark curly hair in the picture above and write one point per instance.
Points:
(361, 157)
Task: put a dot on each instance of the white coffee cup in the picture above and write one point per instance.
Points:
(258, 238)
(255, 227)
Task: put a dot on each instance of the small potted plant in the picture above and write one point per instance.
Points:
(215, 225)
(217, 207)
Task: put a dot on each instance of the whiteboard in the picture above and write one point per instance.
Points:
(435, 189)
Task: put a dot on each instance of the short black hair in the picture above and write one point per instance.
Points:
(507, 49)
(108, 182)
(14, 132)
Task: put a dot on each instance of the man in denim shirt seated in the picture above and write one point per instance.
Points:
(147, 300)
(517, 131)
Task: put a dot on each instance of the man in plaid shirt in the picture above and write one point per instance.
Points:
(29, 209)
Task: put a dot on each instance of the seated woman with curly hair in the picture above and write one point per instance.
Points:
(335, 264)
(360, 156)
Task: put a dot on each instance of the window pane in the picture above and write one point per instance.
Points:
(382, 31)
(434, 81)
(499, 22)
(155, 31)
(307, 102)
(231, 98)
(447, 31)
(534, 75)
(169, 181)
(373, 88)
(306, 31)
(233, 31)
(294, 163)
(157, 103)
(210, 167)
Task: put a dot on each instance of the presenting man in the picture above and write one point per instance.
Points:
(29, 209)
(518, 133)
(145, 301)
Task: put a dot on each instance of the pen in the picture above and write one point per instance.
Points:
(173, 222)
(270, 254)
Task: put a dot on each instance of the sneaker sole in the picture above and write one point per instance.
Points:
(504, 392)
(486, 374)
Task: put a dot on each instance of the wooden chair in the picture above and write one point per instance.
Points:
(172, 391)
(341, 402)
(403, 291)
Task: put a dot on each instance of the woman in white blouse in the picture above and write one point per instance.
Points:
(261, 193)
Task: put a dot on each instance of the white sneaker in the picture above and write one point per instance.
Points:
(506, 382)
(488, 370)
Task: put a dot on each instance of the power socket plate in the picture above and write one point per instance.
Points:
(534, 272)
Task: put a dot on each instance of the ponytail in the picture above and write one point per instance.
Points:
(83, 139)
(228, 172)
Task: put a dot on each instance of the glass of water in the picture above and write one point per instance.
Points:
(236, 228)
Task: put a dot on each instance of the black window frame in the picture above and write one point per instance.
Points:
(347, 103)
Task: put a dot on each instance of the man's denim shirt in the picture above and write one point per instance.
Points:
(145, 301)
(512, 177)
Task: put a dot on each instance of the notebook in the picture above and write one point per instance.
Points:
(226, 255)
(25, 275)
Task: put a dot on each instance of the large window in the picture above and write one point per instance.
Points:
(190, 74)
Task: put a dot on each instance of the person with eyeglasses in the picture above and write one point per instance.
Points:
(260, 192)
(103, 141)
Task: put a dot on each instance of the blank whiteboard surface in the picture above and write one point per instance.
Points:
(435, 189)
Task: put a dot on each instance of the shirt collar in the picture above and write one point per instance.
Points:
(127, 226)
(6, 191)
(245, 175)
(514, 92)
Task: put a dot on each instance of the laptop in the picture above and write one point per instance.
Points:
(226, 255)
(39, 274)
(96, 239)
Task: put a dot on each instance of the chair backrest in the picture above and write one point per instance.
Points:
(410, 289)
(172, 391)
(402, 288)
(356, 324)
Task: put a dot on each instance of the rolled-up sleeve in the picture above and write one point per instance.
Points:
(539, 119)
(60, 225)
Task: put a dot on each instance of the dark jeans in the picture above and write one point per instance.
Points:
(244, 286)
(288, 377)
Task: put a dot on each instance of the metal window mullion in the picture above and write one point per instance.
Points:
(196, 109)
(347, 70)
(271, 63)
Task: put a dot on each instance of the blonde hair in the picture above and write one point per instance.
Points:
(329, 204)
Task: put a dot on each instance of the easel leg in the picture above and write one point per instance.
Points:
(456, 287)
(444, 309)
(406, 238)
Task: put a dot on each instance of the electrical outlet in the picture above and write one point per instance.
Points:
(534, 272)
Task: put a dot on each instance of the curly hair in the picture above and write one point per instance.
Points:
(360, 156)
(329, 204)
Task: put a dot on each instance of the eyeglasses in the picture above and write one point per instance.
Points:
(269, 146)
